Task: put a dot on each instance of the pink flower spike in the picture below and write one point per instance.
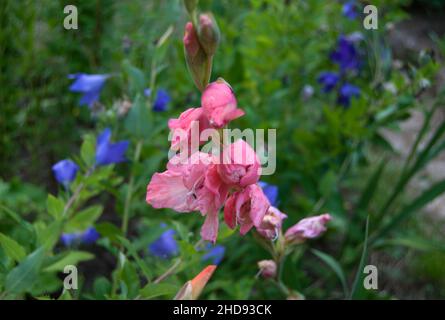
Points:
(307, 228)
(247, 207)
(271, 224)
(219, 104)
(241, 165)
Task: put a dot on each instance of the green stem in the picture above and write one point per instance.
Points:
(76, 193)
(126, 215)
(169, 272)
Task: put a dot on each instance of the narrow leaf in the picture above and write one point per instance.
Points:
(335, 266)
(12, 248)
(21, 278)
(359, 274)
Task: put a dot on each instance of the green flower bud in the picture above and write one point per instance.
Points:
(196, 58)
(208, 33)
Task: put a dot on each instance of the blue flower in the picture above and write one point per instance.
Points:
(108, 153)
(307, 92)
(345, 55)
(88, 236)
(65, 171)
(147, 92)
(69, 238)
(161, 101)
(165, 246)
(328, 79)
(90, 85)
(346, 92)
(214, 253)
(271, 192)
(349, 10)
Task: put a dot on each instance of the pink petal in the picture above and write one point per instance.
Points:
(167, 190)
(209, 230)
(230, 212)
(259, 204)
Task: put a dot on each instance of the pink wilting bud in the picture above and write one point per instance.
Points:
(307, 228)
(208, 33)
(195, 57)
(268, 268)
(246, 208)
(219, 104)
(240, 165)
(271, 224)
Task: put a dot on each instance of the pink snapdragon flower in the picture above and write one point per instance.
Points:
(240, 165)
(271, 224)
(307, 228)
(219, 104)
(182, 129)
(246, 208)
(190, 185)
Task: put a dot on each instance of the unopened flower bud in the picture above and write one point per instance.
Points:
(219, 104)
(268, 268)
(307, 228)
(195, 57)
(209, 34)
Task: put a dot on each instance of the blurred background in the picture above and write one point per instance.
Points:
(373, 148)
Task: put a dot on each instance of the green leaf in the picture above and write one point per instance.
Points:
(335, 266)
(371, 186)
(55, 206)
(138, 121)
(131, 279)
(109, 230)
(16, 217)
(327, 184)
(415, 243)
(21, 278)
(136, 78)
(132, 252)
(425, 198)
(359, 274)
(66, 295)
(88, 150)
(70, 258)
(84, 219)
(183, 232)
(153, 290)
(48, 236)
(102, 287)
(225, 232)
(12, 248)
